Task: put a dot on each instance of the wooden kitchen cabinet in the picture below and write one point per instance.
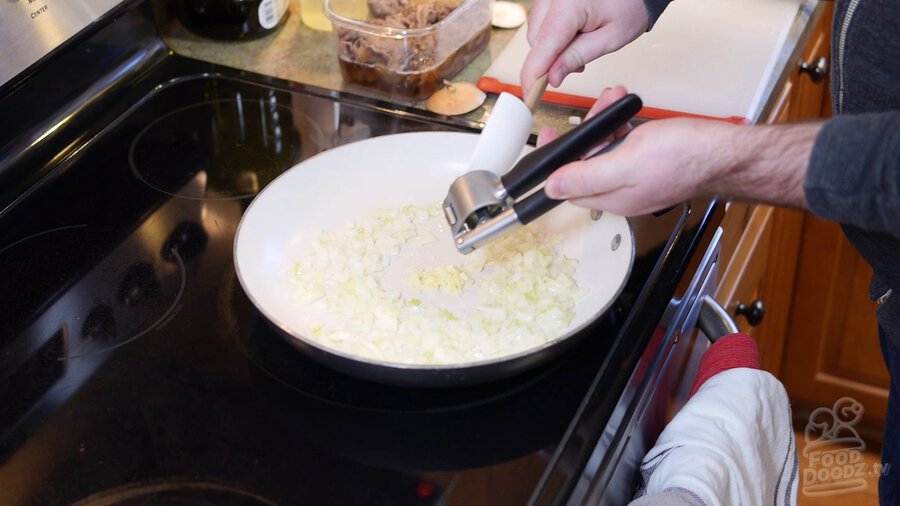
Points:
(818, 334)
(761, 269)
(831, 346)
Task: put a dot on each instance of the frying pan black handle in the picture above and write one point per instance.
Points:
(533, 206)
(534, 167)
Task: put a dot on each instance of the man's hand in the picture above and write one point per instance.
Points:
(565, 35)
(665, 162)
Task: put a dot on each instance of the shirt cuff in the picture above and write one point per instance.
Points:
(655, 9)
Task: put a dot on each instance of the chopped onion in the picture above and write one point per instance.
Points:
(508, 297)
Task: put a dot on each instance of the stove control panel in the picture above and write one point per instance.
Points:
(31, 29)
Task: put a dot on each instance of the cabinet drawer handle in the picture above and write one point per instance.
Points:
(754, 312)
(817, 71)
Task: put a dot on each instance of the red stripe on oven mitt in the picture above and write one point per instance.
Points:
(730, 352)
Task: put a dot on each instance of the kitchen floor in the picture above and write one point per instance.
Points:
(857, 487)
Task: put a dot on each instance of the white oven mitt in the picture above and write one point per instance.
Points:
(732, 443)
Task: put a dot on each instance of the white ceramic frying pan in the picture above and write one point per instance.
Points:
(352, 181)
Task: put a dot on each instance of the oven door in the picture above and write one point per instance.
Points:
(658, 387)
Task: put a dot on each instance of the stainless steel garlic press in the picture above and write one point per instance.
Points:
(482, 206)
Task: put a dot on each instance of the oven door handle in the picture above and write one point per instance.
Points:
(714, 321)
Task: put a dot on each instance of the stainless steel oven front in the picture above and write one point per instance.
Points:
(658, 387)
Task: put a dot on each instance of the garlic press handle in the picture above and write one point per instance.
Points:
(538, 203)
(536, 166)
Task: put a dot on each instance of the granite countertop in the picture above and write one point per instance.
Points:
(297, 53)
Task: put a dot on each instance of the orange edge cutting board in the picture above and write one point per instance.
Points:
(704, 58)
(492, 85)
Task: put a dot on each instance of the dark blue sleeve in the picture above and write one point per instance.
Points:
(655, 8)
(854, 172)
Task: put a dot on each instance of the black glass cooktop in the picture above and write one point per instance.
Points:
(134, 365)
(134, 370)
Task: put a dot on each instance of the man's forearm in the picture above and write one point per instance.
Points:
(769, 164)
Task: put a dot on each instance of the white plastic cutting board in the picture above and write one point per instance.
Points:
(705, 57)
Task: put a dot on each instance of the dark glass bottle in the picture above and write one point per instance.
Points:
(232, 19)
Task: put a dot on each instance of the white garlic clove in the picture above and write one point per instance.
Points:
(508, 14)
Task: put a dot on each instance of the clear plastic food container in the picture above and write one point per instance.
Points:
(407, 47)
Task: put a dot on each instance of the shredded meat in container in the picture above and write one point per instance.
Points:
(376, 289)
(411, 64)
(409, 14)
(402, 14)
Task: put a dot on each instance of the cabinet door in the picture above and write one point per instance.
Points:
(741, 281)
(832, 347)
(760, 275)
(811, 98)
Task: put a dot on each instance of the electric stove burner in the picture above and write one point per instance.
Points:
(222, 149)
(176, 493)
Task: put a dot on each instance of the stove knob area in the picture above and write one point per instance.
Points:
(188, 239)
(138, 284)
(99, 325)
